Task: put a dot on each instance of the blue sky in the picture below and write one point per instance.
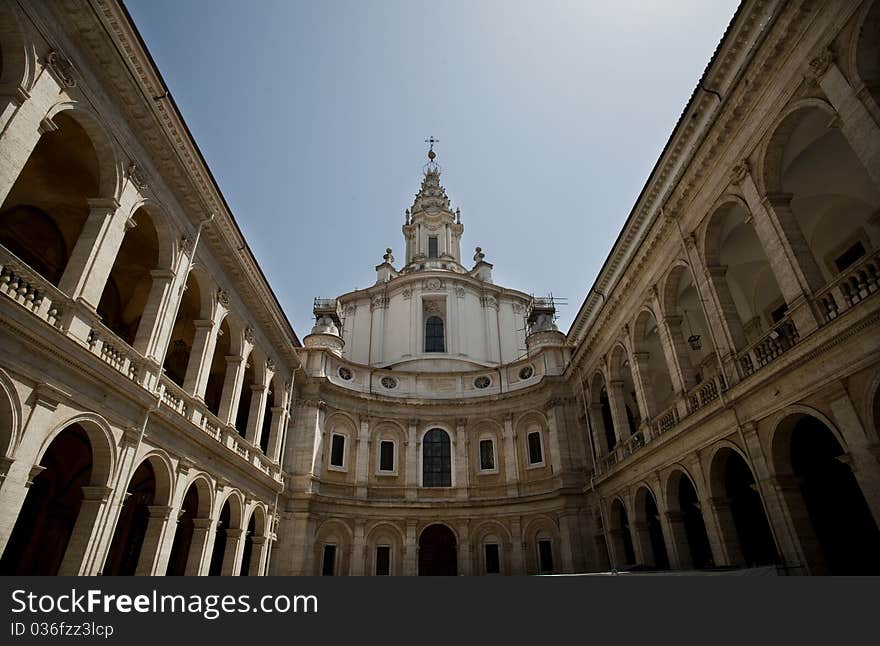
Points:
(312, 117)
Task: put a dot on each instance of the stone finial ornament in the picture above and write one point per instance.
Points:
(479, 255)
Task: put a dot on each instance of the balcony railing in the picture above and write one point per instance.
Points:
(850, 288)
(705, 393)
(773, 344)
(34, 293)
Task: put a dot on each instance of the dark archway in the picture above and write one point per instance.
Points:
(694, 526)
(655, 533)
(845, 530)
(248, 552)
(245, 397)
(183, 536)
(621, 535)
(438, 555)
(47, 518)
(217, 374)
(266, 424)
(128, 538)
(753, 533)
(220, 540)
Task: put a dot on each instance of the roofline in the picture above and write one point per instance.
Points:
(204, 163)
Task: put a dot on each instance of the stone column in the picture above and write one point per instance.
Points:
(555, 457)
(412, 460)
(790, 258)
(566, 548)
(517, 563)
(856, 123)
(642, 543)
(363, 459)
(25, 121)
(729, 319)
(411, 549)
(233, 552)
(200, 357)
(675, 346)
(597, 423)
(148, 338)
(727, 530)
(151, 549)
(710, 521)
(677, 545)
(644, 390)
(358, 549)
(259, 552)
(232, 383)
(461, 459)
(797, 518)
(465, 555)
(256, 412)
(85, 531)
(617, 402)
(91, 260)
(280, 418)
(511, 464)
(199, 559)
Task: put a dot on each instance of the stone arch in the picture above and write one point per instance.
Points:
(739, 509)
(254, 540)
(491, 532)
(833, 523)
(196, 305)
(65, 502)
(872, 409)
(10, 415)
(683, 309)
(771, 165)
(228, 532)
(688, 528)
(620, 372)
(437, 455)
(537, 529)
(196, 506)
(336, 533)
(438, 550)
(110, 170)
(658, 386)
(649, 530)
(384, 533)
(713, 227)
(525, 425)
(161, 463)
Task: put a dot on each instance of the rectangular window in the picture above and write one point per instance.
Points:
(432, 246)
(328, 566)
(536, 454)
(337, 451)
(493, 559)
(545, 556)
(850, 256)
(487, 455)
(383, 560)
(386, 455)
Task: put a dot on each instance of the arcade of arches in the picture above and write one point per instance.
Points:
(715, 404)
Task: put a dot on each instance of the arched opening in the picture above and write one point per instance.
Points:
(741, 276)
(44, 212)
(833, 199)
(266, 424)
(600, 415)
(621, 534)
(220, 540)
(128, 287)
(438, 554)
(655, 546)
(49, 514)
(128, 537)
(690, 520)
(435, 339)
(690, 333)
(246, 396)
(840, 537)
(217, 374)
(183, 535)
(653, 369)
(732, 479)
(248, 551)
(436, 459)
(623, 384)
(183, 334)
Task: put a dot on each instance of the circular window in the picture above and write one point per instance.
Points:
(526, 372)
(482, 382)
(389, 382)
(344, 373)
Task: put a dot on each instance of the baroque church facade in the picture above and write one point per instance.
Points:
(714, 405)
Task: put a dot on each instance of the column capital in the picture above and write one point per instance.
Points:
(159, 511)
(99, 493)
(777, 200)
(108, 204)
(203, 524)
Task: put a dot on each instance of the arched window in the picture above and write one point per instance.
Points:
(436, 459)
(434, 338)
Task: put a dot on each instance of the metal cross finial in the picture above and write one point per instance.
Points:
(432, 141)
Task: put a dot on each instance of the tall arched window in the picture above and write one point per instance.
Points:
(434, 338)
(436, 459)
